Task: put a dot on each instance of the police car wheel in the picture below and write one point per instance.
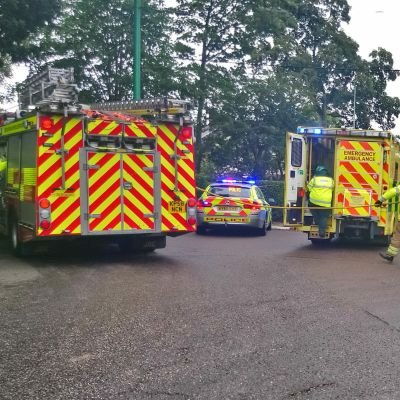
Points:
(262, 231)
(200, 230)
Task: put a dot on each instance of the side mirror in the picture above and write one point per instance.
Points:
(271, 201)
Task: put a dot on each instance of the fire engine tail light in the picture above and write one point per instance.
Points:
(191, 202)
(191, 211)
(45, 224)
(46, 123)
(44, 214)
(44, 203)
(186, 133)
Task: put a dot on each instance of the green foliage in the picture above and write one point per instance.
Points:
(255, 68)
(274, 190)
(19, 19)
(102, 52)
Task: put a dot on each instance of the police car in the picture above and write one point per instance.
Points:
(231, 202)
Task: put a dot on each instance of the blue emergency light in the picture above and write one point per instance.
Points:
(249, 181)
(315, 131)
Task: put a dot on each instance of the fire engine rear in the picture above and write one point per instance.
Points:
(123, 172)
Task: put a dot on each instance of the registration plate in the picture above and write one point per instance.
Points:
(177, 207)
(228, 208)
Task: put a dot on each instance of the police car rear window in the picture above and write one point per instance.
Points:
(230, 191)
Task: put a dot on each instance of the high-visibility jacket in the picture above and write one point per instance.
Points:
(320, 190)
(391, 193)
(3, 165)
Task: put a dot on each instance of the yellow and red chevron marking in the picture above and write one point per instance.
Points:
(103, 127)
(104, 192)
(215, 202)
(139, 200)
(359, 176)
(65, 204)
(141, 130)
(166, 136)
(385, 186)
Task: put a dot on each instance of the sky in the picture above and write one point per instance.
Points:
(374, 23)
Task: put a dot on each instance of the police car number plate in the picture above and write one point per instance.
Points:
(177, 206)
(228, 208)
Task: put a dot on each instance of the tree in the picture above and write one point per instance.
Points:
(18, 20)
(101, 52)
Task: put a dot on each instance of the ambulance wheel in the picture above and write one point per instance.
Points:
(19, 248)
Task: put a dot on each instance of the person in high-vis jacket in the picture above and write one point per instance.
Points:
(394, 246)
(320, 190)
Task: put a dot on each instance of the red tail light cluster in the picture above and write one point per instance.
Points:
(45, 214)
(186, 133)
(191, 211)
(301, 192)
(46, 123)
(203, 203)
(252, 206)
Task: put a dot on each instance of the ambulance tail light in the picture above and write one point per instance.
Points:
(301, 192)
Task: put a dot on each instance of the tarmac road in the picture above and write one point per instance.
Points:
(210, 317)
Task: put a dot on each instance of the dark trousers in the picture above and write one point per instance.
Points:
(321, 216)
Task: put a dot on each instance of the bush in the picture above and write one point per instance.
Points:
(274, 190)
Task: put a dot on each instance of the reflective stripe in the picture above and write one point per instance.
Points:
(392, 251)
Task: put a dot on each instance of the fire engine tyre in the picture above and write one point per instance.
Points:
(19, 249)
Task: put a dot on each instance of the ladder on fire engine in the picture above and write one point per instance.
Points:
(51, 87)
(165, 109)
(158, 109)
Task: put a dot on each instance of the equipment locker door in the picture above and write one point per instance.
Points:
(295, 178)
(139, 209)
(104, 192)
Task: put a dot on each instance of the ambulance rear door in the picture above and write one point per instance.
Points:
(295, 178)
(358, 178)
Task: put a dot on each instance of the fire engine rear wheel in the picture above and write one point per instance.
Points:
(19, 248)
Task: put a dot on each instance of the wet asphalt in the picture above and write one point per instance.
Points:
(221, 316)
